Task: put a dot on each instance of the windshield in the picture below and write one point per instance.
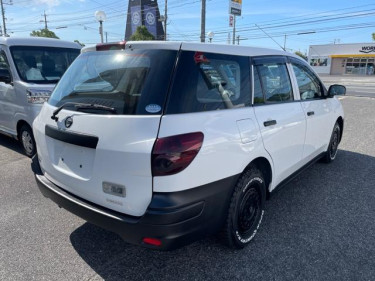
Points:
(42, 65)
(133, 82)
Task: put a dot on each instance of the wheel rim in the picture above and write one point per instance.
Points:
(334, 144)
(249, 211)
(27, 142)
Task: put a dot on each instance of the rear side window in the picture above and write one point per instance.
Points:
(274, 78)
(206, 81)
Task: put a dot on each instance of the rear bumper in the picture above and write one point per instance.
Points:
(176, 218)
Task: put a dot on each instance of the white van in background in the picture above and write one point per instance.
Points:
(29, 70)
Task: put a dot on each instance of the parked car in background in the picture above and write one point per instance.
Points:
(166, 142)
(29, 70)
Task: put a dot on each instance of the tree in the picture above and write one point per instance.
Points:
(141, 34)
(298, 53)
(45, 32)
(83, 45)
(373, 36)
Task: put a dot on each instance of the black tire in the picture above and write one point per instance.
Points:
(331, 152)
(27, 141)
(246, 209)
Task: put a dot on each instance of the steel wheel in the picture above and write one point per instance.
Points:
(249, 211)
(334, 143)
(246, 209)
(27, 140)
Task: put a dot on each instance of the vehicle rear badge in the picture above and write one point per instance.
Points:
(153, 108)
(68, 122)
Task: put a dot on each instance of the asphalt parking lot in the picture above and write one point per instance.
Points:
(359, 86)
(320, 226)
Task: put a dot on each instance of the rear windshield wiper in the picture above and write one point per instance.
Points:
(78, 105)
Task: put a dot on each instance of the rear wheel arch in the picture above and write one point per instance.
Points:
(264, 166)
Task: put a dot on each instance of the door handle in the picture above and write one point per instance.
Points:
(269, 123)
(310, 113)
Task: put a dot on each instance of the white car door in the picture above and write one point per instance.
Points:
(317, 109)
(281, 119)
(7, 98)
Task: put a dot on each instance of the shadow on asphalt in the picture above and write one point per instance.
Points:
(319, 226)
(10, 143)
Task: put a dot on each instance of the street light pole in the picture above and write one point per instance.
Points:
(210, 35)
(101, 30)
(100, 17)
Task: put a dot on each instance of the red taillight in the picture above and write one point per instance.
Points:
(111, 46)
(173, 154)
(152, 241)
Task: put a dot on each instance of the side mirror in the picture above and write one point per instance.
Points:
(336, 90)
(5, 76)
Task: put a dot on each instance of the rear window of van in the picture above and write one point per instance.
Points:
(132, 82)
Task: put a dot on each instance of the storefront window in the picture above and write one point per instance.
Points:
(319, 62)
(360, 66)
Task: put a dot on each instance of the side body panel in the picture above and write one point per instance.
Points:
(231, 141)
(284, 141)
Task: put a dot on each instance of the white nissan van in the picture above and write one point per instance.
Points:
(166, 142)
(29, 70)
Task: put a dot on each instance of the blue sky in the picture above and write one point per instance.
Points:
(275, 17)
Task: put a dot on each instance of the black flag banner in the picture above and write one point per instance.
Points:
(144, 12)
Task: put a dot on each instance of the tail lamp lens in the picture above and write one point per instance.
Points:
(173, 154)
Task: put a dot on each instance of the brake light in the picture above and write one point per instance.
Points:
(173, 154)
(111, 46)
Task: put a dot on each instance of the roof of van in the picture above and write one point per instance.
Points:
(211, 48)
(38, 41)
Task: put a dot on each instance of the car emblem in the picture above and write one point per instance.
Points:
(68, 122)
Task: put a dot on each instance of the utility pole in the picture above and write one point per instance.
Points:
(238, 40)
(203, 21)
(106, 37)
(165, 19)
(234, 29)
(45, 20)
(284, 42)
(3, 14)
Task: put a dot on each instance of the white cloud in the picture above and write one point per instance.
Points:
(49, 3)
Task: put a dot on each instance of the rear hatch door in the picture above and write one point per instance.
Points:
(99, 148)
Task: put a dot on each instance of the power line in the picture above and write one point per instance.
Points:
(303, 22)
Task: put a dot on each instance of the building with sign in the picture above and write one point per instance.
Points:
(235, 7)
(343, 59)
(144, 12)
